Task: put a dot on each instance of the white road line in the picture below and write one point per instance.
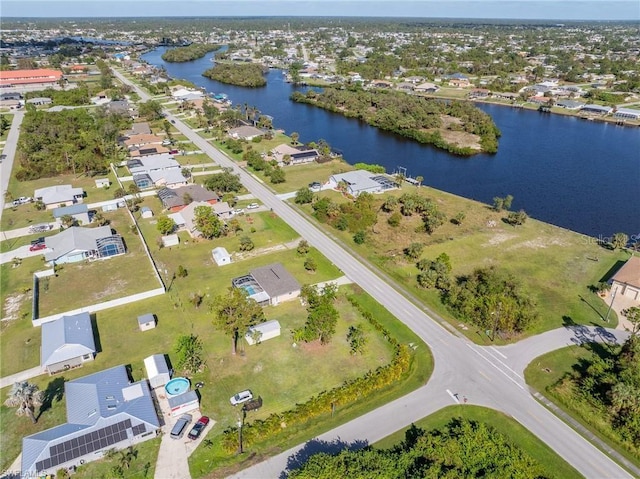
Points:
(496, 367)
(498, 352)
(454, 396)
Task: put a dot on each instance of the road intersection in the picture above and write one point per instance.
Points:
(487, 376)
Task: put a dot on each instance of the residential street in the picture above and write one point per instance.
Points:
(484, 375)
(9, 150)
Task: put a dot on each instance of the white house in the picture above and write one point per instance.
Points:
(146, 212)
(170, 240)
(221, 256)
(67, 343)
(263, 331)
(359, 181)
(158, 372)
(146, 322)
(59, 195)
(103, 182)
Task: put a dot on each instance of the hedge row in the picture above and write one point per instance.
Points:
(349, 392)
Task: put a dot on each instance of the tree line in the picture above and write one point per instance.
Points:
(411, 116)
(462, 448)
(240, 74)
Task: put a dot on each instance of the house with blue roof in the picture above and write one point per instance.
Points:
(79, 212)
(105, 410)
(67, 343)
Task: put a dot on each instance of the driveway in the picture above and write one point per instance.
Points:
(173, 456)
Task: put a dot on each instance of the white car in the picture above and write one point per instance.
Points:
(253, 206)
(241, 397)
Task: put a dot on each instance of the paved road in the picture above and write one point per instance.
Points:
(10, 150)
(479, 373)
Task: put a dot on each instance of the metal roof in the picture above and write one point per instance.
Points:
(156, 365)
(93, 403)
(180, 399)
(78, 208)
(66, 338)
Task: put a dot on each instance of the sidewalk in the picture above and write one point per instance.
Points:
(21, 376)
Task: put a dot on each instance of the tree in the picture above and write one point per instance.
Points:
(68, 221)
(303, 196)
(234, 313)
(414, 250)
(246, 243)
(223, 182)
(189, 350)
(360, 237)
(310, 264)
(151, 110)
(99, 218)
(517, 218)
(127, 456)
(322, 315)
(278, 175)
(208, 223)
(419, 179)
(294, 137)
(633, 316)
(395, 219)
(390, 204)
(619, 240)
(25, 397)
(165, 225)
(303, 247)
(356, 339)
(459, 218)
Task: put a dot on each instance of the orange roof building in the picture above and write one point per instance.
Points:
(42, 76)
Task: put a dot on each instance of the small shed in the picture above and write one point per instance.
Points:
(146, 322)
(183, 403)
(113, 205)
(221, 256)
(146, 212)
(262, 332)
(170, 240)
(103, 182)
(158, 372)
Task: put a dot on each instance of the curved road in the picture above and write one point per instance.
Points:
(485, 375)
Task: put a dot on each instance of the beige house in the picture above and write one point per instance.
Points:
(626, 281)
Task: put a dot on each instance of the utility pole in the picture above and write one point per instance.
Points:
(495, 321)
(613, 297)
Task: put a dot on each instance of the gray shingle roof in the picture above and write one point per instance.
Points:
(70, 210)
(275, 280)
(57, 193)
(94, 402)
(66, 338)
(74, 238)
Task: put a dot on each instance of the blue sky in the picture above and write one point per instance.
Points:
(512, 9)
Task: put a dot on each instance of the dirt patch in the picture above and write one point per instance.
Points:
(447, 121)
(462, 139)
(12, 305)
(312, 347)
(539, 243)
(498, 238)
(114, 287)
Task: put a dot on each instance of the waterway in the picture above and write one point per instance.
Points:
(581, 175)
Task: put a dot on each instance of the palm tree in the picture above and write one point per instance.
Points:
(25, 396)
(419, 179)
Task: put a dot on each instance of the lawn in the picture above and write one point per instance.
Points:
(300, 176)
(556, 266)
(328, 365)
(27, 214)
(554, 466)
(3, 135)
(75, 285)
(544, 374)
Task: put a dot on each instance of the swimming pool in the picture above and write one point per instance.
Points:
(177, 386)
(250, 290)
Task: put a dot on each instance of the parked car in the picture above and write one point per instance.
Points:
(198, 427)
(180, 426)
(241, 397)
(2, 157)
(37, 247)
(253, 206)
(238, 211)
(22, 200)
(315, 186)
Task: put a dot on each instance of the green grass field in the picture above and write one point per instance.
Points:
(554, 466)
(555, 265)
(544, 373)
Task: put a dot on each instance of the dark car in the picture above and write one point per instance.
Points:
(198, 428)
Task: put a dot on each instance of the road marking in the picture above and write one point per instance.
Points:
(484, 375)
(506, 366)
(454, 396)
(496, 367)
(493, 347)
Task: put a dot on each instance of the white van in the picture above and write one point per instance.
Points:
(181, 426)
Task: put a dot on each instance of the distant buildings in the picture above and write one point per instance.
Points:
(29, 79)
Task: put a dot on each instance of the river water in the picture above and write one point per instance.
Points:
(581, 175)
